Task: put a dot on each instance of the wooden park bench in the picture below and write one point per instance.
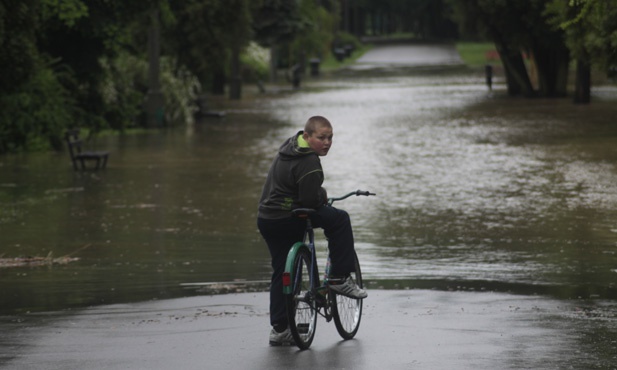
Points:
(78, 155)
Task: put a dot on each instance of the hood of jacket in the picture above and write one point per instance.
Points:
(295, 147)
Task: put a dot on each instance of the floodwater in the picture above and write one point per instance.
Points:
(475, 191)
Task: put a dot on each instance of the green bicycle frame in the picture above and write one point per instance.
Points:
(288, 275)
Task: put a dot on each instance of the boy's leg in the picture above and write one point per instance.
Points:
(337, 228)
(280, 235)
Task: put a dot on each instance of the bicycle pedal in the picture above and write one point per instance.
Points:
(303, 328)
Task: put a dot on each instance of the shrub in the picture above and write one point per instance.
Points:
(126, 87)
(35, 116)
(256, 62)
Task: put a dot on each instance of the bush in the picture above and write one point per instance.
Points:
(256, 63)
(126, 87)
(180, 89)
(123, 90)
(36, 115)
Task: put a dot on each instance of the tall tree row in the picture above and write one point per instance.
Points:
(84, 63)
(424, 19)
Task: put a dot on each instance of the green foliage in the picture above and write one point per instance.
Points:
(276, 22)
(205, 30)
(125, 88)
(425, 19)
(18, 51)
(67, 11)
(255, 60)
(35, 117)
(317, 31)
(590, 27)
(521, 25)
(180, 89)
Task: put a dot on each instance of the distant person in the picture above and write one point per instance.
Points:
(488, 71)
(294, 181)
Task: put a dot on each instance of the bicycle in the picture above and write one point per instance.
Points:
(306, 297)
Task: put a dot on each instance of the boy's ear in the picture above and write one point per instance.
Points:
(305, 136)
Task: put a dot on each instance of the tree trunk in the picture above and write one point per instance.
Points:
(582, 92)
(552, 66)
(218, 81)
(235, 83)
(517, 78)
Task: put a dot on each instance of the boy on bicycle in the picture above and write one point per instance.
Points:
(294, 181)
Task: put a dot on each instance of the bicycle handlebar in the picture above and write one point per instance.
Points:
(356, 193)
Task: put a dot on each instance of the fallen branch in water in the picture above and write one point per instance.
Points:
(40, 261)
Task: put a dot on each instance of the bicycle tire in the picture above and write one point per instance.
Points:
(301, 305)
(347, 312)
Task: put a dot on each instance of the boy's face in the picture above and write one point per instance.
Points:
(321, 140)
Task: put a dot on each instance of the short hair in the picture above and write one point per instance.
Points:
(314, 122)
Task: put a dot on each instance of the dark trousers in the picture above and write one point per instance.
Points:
(281, 234)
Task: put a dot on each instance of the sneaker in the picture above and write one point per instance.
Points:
(348, 288)
(281, 339)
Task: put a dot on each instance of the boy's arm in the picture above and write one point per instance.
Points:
(310, 192)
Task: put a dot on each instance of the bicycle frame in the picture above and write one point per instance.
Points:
(306, 297)
(289, 274)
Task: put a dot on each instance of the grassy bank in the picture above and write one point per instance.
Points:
(474, 54)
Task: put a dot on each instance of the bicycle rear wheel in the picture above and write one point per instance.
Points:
(301, 306)
(346, 311)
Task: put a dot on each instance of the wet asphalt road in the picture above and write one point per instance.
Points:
(411, 55)
(408, 329)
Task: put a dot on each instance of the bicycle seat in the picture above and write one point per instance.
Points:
(302, 212)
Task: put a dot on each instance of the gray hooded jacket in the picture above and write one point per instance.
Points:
(294, 181)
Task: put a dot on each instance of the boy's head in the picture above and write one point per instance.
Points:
(318, 134)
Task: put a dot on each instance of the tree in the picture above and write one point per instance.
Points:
(518, 26)
(81, 34)
(204, 35)
(34, 104)
(316, 32)
(275, 23)
(590, 27)
(425, 19)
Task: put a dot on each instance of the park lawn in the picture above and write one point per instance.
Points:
(474, 54)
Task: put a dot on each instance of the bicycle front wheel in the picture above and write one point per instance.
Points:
(301, 306)
(346, 311)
